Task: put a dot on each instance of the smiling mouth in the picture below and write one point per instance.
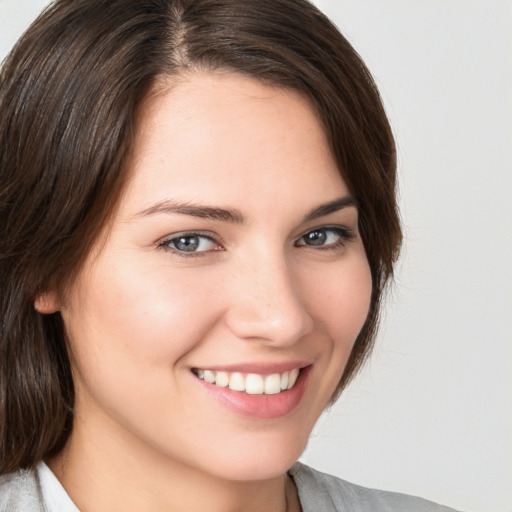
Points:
(250, 383)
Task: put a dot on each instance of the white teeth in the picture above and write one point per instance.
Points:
(222, 379)
(284, 380)
(237, 382)
(209, 376)
(292, 377)
(252, 383)
(272, 384)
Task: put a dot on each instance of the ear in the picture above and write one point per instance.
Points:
(47, 303)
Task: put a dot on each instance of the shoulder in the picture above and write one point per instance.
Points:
(20, 492)
(318, 491)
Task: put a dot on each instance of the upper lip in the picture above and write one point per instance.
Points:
(259, 368)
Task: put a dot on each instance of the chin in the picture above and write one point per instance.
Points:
(261, 458)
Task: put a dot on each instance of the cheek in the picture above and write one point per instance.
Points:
(142, 325)
(141, 310)
(340, 308)
(342, 303)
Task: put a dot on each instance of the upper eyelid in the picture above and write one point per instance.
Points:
(214, 237)
(205, 234)
(329, 227)
(166, 244)
(344, 232)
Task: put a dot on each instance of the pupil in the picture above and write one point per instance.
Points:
(316, 238)
(187, 243)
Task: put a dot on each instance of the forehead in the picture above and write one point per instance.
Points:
(212, 135)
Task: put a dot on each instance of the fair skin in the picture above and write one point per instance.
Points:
(235, 250)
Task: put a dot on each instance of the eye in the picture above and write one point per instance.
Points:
(328, 237)
(190, 243)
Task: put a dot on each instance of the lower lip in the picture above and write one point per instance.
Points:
(261, 406)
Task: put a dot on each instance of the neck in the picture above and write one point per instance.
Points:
(117, 473)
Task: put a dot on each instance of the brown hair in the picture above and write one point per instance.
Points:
(69, 95)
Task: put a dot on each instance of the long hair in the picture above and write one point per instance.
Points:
(70, 92)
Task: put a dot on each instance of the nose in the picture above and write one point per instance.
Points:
(267, 303)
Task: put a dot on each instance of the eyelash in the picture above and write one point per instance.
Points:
(344, 235)
(168, 244)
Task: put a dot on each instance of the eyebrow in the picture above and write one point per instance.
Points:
(330, 207)
(194, 210)
(233, 215)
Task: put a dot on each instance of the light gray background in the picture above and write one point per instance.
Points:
(432, 413)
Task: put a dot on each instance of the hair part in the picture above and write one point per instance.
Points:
(70, 94)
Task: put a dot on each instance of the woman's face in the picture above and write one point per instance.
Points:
(234, 256)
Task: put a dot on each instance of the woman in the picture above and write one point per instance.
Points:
(198, 221)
